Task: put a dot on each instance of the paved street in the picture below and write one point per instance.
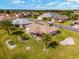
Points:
(66, 27)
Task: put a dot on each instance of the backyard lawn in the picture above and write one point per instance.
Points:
(37, 48)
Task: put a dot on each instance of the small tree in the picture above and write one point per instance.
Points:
(6, 25)
(25, 36)
(46, 39)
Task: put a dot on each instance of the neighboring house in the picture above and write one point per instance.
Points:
(34, 14)
(1, 17)
(21, 22)
(61, 18)
(4, 16)
(16, 15)
(45, 15)
(55, 16)
(22, 14)
(40, 28)
(12, 15)
(76, 13)
(76, 24)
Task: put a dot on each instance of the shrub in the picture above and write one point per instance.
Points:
(53, 44)
(17, 32)
(25, 36)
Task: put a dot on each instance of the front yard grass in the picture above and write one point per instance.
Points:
(37, 52)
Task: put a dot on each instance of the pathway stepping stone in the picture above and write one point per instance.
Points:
(28, 48)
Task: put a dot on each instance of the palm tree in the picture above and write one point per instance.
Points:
(6, 25)
(46, 38)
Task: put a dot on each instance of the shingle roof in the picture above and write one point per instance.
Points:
(55, 16)
(40, 28)
(46, 15)
(77, 21)
(61, 17)
(21, 21)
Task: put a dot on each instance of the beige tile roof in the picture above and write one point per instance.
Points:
(38, 28)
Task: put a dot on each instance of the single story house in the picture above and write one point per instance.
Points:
(75, 24)
(39, 29)
(61, 18)
(45, 15)
(55, 16)
(76, 12)
(21, 22)
(4, 16)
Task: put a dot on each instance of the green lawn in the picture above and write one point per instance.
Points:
(37, 52)
(67, 23)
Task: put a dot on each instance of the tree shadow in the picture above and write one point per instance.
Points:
(53, 44)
